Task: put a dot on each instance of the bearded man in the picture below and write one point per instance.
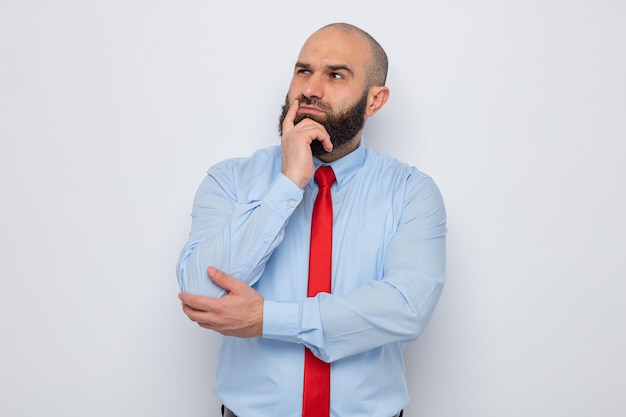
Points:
(318, 259)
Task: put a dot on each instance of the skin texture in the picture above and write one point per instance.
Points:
(238, 313)
(333, 67)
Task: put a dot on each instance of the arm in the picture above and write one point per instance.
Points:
(239, 313)
(235, 233)
(395, 308)
(237, 223)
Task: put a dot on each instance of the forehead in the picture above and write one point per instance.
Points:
(332, 46)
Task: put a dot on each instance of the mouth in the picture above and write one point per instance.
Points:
(310, 110)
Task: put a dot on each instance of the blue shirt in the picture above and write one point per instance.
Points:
(387, 274)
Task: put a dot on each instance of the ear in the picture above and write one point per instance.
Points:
(376, 98)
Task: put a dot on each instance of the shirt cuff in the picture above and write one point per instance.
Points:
(283, 196)
(281, 320)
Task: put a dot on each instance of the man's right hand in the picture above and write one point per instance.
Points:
(296, 146)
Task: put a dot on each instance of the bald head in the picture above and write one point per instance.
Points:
(338, 82)
(378, 65)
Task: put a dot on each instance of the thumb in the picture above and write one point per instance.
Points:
(222, 279)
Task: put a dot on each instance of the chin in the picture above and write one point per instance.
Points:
(317, 149)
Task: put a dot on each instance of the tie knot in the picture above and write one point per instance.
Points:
(324, 176)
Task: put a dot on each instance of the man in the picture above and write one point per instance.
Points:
(245, 271)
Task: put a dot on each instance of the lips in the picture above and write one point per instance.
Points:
(309, 110)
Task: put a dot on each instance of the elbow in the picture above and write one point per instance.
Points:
(423, 313)
(418, 305)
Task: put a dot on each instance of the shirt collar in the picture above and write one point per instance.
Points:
(347, 166)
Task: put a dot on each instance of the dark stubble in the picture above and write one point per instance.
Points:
(342, 126)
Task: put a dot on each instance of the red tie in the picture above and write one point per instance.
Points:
(316, 397)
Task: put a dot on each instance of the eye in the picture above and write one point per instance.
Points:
(336, 76)
(303, 71)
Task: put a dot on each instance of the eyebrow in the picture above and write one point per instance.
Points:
(336, 67)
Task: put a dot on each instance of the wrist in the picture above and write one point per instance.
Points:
(299, 180)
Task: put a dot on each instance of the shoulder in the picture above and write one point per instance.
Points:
(262, 158)
(244, 176)
(416, 194)
(401, 179)
(262, 163)
(386, 167)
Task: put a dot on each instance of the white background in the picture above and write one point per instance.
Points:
(111, 112)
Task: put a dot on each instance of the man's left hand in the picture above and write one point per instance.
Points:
(238, 313)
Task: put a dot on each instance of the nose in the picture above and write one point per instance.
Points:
(313, 87)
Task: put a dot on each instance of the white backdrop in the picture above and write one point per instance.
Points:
(111, 112)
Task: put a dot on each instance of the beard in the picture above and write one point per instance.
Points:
(341, 126)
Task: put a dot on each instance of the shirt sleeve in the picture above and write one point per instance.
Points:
(394, 308)
(234, 228)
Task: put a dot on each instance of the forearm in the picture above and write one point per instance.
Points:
(396, 309)
(393, 306)
(235, 233)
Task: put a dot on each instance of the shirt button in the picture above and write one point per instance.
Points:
(292, 203)
(266, 239)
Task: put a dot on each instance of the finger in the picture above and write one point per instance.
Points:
(326, 142)
(291, 115)
(222, 279)
(184, 298)
(320, 134)
(193, 302)
(191, 312)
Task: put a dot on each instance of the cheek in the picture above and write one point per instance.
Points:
(295, 90)
(344, 102)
